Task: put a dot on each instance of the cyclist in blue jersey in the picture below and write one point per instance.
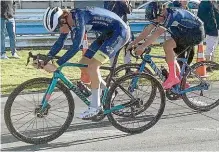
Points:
(178, 50)
(100, 51)
(185, 28)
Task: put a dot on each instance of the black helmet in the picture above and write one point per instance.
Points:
(153, 9)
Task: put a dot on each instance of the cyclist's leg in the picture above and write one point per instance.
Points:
(180, 50)
(88, 59)
(91, 51)
(172, 79)
(108, 50)
(180, 54)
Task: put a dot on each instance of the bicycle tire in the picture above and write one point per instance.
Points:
(156, 83)
(120, 68)
(146, 70)
(15, 93)
(190, 103)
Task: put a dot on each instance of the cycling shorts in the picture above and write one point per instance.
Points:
(108, 44)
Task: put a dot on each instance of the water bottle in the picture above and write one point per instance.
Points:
(164, 72)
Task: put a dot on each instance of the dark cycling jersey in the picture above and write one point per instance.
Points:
(180, 19)
(91, 18)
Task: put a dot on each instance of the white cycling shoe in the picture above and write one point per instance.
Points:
(91, 112)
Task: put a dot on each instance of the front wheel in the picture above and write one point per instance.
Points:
(24, 119)
(206, 98)
(129, 119)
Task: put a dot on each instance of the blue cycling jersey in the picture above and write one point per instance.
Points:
(182, 19)
(91, 18)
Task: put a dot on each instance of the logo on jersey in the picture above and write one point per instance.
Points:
(109, 49)
(101, 18)
(100, 23)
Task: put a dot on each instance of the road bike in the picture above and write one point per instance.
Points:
(202, 93)
(42, 109)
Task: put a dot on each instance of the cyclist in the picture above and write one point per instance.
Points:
(99, 52)
(180, 50)
(185, 28)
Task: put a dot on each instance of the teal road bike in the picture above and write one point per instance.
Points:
(42, 109)
(201, 94)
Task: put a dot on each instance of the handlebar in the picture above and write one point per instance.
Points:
(40, 57)
(146, 51)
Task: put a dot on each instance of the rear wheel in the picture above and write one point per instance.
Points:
(132, 119)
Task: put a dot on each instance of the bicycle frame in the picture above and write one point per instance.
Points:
(148, 59)
(59, 75)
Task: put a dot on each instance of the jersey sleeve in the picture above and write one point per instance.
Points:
(77, 39)
(57, 45)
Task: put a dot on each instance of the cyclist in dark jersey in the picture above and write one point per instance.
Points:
(185, 28)
(180, 50)
(100, 51)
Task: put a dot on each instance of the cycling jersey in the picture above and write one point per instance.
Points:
(185, 28)
(95, 19)
(180, 19)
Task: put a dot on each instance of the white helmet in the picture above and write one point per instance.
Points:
(51, 18)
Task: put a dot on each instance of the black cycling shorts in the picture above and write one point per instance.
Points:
(188, 37)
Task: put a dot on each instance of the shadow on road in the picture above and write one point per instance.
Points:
(179, 114)
(8, 138)
(63, 144)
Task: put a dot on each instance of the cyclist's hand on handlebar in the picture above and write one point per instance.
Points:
(39, 64)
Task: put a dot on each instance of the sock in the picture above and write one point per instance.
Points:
(172, 70)
(95, 98)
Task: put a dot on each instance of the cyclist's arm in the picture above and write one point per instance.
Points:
(144, 34)
(77, 41)
(153, 37)
(57, 45)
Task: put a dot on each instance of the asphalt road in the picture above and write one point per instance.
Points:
(179, 129)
